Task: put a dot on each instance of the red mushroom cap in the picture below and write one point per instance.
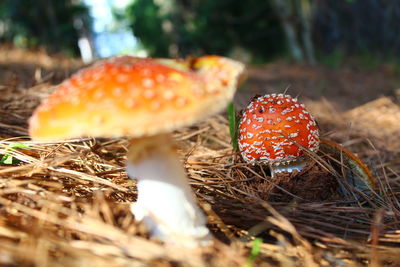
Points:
(129, 96)
(276, 129)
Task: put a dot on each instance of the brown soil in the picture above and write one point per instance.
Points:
(312, 184)
(23, 69)
(345, 88)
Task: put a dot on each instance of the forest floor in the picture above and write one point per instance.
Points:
(67, 204)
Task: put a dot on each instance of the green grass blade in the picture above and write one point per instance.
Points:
(233, 125)
(255, 252)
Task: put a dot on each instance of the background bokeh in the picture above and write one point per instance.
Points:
(255, 31)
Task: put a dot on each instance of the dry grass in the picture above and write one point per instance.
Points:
(67, 204)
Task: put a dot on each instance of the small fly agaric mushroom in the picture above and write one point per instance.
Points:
(277, 130)
(145, 99)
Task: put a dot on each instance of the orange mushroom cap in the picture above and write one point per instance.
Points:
(276, 129)
(136, 97)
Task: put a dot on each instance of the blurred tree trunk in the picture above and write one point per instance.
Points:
(52, 19)
(305, 13)
(295, 17)
(178, 16)
(284, 10)
(86, 44)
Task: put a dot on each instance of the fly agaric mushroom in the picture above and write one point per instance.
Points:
(277, 130)
(145, 99)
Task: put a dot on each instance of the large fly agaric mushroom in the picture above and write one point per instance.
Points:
(277, 130)
(145, 99)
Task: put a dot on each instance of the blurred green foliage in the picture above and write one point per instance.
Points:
(339, 28)
(146, 20)
(333, 60)
(182, 27)
(48, 23)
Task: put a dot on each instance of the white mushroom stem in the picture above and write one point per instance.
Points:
(165, 201)
(296, 165)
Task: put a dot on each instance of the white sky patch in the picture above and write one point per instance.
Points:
(110, 42)
(100, 10)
